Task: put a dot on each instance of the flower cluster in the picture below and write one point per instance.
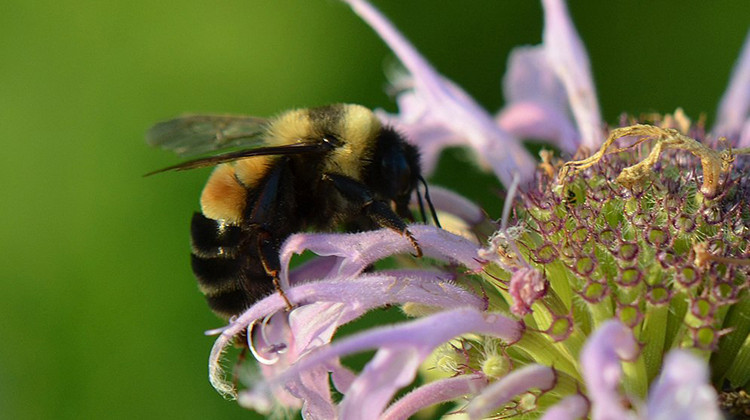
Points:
(615, 285)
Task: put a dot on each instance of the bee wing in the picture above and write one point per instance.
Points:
(286, 149)
(195, 134)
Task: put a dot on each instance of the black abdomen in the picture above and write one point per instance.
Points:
(226, 263)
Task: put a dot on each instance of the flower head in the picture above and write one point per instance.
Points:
(614, 287)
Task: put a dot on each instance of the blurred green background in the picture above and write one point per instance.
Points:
(100, 313)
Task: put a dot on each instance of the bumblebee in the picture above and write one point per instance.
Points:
(306, 169)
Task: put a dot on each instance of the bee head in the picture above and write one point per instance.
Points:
(398, 170)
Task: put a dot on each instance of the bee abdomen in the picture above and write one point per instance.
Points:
(214, 239)
(225, 261)
(215, 275)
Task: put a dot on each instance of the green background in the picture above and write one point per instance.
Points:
(100, 315)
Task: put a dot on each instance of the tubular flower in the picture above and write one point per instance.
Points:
(615, 286)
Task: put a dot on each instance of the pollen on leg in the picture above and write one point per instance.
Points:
(223, 198)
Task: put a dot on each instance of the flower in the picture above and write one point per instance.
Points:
(618, 289)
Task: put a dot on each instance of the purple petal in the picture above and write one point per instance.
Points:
(313, 325)
(313, 269)
(257, 399)
(434, 393)
(567, 55)
(357, 251)
(402, 349)
(509, 386)
(341, 376)
(530, 78)
(683, 390)
(389, 370)
(445, 105)
(271, 304)
(311, 386)
(539, 121)
(735, 104)
(611, 343)
(273, 338)
(337, 302)
(745, 135)
(536, 102)
(570, 408)
(424, 333)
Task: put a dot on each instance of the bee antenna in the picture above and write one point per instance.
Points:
(429, 202)
(421, 205)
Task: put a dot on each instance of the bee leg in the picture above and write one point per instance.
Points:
(268, 250)
(382, 214)
(271, 201)
(377, 211)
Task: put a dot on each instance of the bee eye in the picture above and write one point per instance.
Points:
(406, 184)
(396, 170)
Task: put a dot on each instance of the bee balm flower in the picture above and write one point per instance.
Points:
(616, 288)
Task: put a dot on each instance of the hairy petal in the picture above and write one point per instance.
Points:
(402, 348)
(424, 333)
(445, 105)
(567, 55)
(336, 302)
(601, 358)
(357, 251)
(269, 305)
(509, 386)
(734, 108)
(683, 390)
(434, 393)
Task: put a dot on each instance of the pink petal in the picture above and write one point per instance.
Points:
(311, 386)
(539, 121)
(389, 370)
(402, 349)
(445, 105)
(735, 104)
(570, 408)
(567, 55)
(424, 333)
(683, 390)
(745, 135)
(527, 285)
(530, 78)
(536, 102)
(601, 356)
